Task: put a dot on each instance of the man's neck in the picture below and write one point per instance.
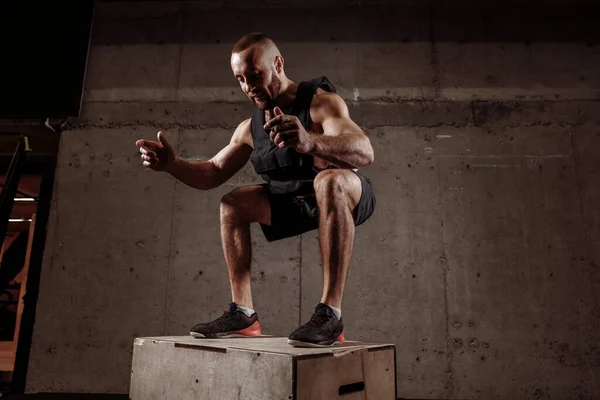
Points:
(286, 98)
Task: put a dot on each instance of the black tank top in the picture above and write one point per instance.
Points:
(285, 170)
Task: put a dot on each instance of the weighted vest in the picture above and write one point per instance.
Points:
(285, 170)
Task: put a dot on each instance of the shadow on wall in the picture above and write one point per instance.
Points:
(343, 21)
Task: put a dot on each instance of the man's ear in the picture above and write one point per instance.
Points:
(278, 64)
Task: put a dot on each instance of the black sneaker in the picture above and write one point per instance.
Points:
(233, 323)
(323, 330)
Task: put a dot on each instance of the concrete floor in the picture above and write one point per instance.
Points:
(66, 396)
(480, 262)
(78, 396)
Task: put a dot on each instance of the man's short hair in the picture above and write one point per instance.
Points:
(250, 40)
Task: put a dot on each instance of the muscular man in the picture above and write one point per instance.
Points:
(302, 142)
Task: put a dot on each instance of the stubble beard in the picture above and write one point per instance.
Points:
(274, 89)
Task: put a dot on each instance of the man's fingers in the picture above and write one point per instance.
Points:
(149, 158)
(281, 128)
(147, 144)
(288, 143)
(148, 152)
(286, 126)
(149, 161)
(274, 121)
(285, 136)
(279, 119)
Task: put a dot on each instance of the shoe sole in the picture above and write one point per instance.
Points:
(327, 343)
(299, 343)
(220, 336)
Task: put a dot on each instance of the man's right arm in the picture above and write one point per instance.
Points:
(209, 174)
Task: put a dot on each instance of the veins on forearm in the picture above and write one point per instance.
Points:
(345, 151)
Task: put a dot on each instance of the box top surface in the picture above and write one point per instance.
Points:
(265, 344)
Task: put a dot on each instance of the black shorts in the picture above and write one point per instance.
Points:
(292, 216)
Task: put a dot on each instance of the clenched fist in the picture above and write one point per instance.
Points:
(156, 155)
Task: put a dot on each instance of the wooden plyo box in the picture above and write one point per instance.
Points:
(264, 368)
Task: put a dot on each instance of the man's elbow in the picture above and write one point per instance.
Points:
(368, 155)
(363, 159)
(209, 180)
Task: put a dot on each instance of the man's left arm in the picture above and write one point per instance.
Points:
(342, 143)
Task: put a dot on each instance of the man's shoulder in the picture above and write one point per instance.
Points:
(243, 133)
(245, 124)
(326, 104)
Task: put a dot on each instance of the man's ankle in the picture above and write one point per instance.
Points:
(336, 311)
(246, 310)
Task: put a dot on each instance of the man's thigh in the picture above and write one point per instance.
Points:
(250, 203)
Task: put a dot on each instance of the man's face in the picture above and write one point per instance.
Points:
(257, 76)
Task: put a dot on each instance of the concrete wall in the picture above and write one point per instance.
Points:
(481, 261)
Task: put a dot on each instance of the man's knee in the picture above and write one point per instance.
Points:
(331, 185)
(229, 206)
(244, 205)
(232, 206)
